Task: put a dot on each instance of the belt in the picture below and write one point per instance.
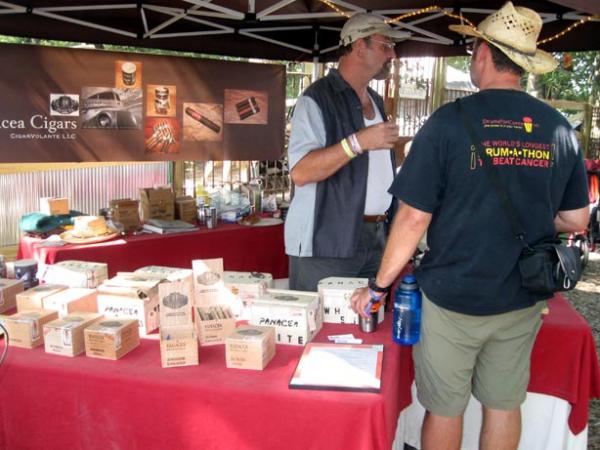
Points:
(375, 218)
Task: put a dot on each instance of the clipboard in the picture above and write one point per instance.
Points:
(339, 367)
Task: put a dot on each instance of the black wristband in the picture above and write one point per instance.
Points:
(373, 286)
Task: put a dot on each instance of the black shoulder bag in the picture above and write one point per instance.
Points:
(546, 266)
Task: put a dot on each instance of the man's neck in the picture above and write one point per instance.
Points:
(501, 80)
(355, 77)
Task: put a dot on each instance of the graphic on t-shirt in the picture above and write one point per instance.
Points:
(528, 124)
(518, 153)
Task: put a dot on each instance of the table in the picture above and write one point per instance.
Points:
(48, 401)
(53, 402)
(243, 248)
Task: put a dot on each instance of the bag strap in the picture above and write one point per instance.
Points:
(507, 205)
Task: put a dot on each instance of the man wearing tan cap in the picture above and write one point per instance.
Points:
(478, 322)
(341, 162)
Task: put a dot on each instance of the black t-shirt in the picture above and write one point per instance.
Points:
(471, 266)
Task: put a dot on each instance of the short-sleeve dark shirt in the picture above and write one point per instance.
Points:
(471, 266)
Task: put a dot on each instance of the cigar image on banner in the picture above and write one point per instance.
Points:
(202, 119)
(247, 107)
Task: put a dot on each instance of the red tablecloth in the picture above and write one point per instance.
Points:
(54, 402)
(242, 248)
(564, 362)
(48, 401)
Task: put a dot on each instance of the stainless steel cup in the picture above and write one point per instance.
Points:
(368, 324)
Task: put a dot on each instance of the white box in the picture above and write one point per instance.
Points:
(335, 294)
(297, 316)
(54, 205)
(72, 273)
(208, 282)
(65, 336)
(175, 300)
(168, 273)
(245, 287)
(71, 300)
(131, 296)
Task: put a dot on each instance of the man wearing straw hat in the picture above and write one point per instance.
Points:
(341, 162)
(479, 324)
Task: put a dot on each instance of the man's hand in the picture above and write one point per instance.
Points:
(381, 135)
(361, 298)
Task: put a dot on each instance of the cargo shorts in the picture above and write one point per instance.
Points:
(488, 356)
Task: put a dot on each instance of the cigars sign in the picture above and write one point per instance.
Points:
(66, 105)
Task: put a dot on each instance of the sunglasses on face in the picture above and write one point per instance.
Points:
(386, 44)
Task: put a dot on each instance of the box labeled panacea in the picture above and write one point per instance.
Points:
(214, 324)
(72, 299)
(131, 296)
(65, 336)
(9, 289)
(296, 315)
(73, 273)
(335, 294)
(178, 346)
(175, 299)
(111, 338)
(25, 328)
(33, 298)
(209, 288)
(250, 347)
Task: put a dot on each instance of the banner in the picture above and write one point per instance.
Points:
(68, 105)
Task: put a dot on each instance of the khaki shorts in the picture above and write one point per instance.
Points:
(460, 354)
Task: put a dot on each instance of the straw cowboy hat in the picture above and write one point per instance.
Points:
(514, 30)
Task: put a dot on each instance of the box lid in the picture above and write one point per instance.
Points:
(231, 277)
(133, 280)
(339, 284)
(165, 271)
(6, 283)
(250, 333)
(74, 320)
(111, 326)
(287, 298)
(69, 295)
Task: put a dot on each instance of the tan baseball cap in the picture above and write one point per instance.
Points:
(362, 25)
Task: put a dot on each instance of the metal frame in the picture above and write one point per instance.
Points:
(210, 10)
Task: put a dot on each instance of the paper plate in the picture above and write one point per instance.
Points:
(266, 222)
(67, 236)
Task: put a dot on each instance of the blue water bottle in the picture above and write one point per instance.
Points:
(407, 312)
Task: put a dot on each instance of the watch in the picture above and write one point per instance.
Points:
(373, 286)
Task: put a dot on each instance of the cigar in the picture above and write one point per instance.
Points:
(247, 108)
(203, 120)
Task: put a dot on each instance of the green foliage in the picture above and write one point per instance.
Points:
(460, 62)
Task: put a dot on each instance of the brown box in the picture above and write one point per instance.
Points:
(25, 329)
(9, 289)
(72, 299)
(209, 288)
(54, 205)
(111, 338)
(157, 203)
(214, 324)
(33, 298)
(185, 209)
(250, 347)
(126, 212)
(175, 300)
(65, 336)
(178, 347)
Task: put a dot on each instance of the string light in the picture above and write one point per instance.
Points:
(435, 8)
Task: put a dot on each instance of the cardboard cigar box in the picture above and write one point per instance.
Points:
(131, 296)
(245, 287)
(335, 294)
(33, 298)
(126, 212)
(297, 316)
(178, 346)
(54, 205)
(157, 203)
(250, 347)
(209, 288)
(185, 209)
(65, 336)
(214, 324)
(175, 299)
(82, 274)
(111, 338)
(72, 299)
(25, 328)
(9, 289)
(167, 273)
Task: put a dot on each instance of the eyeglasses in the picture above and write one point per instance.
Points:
(387, 45)
(471, 49)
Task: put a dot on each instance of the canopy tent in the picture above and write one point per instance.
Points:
(295, 30)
